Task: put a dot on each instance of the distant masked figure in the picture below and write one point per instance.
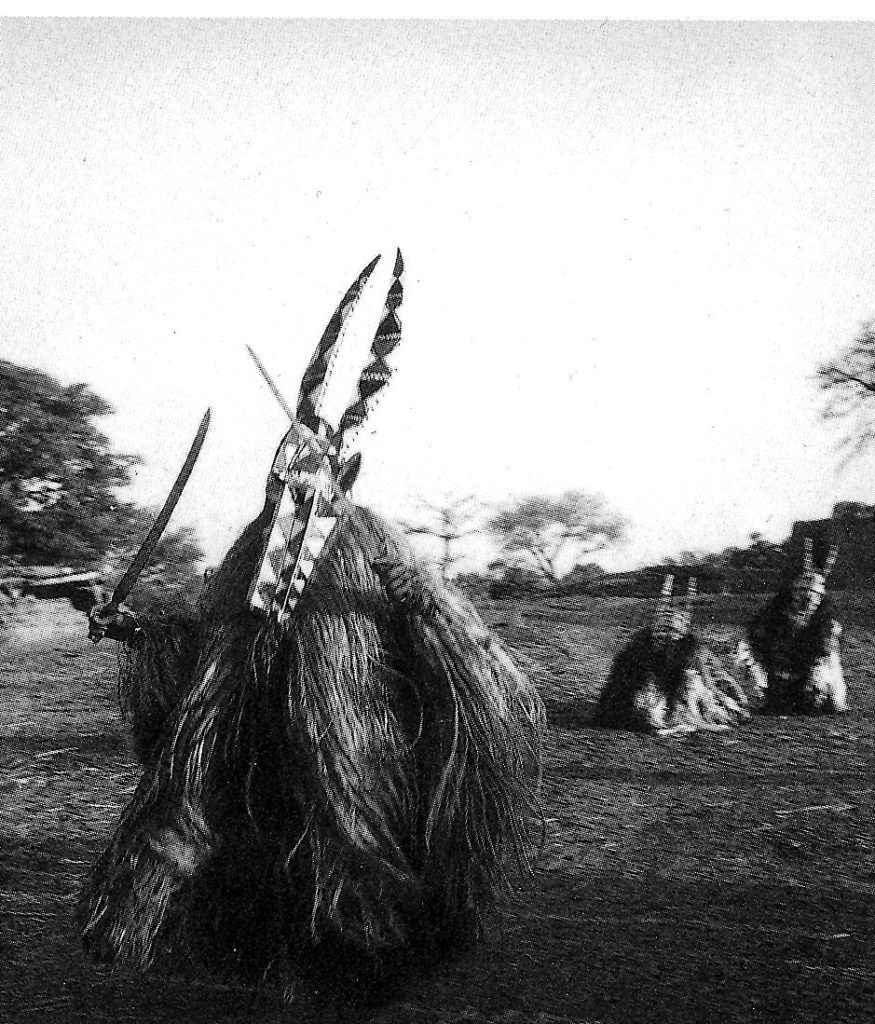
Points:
(666, 681)
(340, 762)
(792, 650)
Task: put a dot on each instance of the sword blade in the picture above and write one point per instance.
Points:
(126, 583)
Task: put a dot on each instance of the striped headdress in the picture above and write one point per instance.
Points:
(808, 586)
(672, 622)
(313, 470)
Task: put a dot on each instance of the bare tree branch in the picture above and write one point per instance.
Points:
(847, 384)
(834, 375)
(449, 521)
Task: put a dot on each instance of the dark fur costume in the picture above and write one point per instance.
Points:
(349, 790)
(644, 660)
(788, 654)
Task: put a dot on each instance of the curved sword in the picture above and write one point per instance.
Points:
(126, 584)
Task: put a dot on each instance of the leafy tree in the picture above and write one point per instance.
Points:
(61, 486)
(544, 531)
(847, 383)
(59, 477)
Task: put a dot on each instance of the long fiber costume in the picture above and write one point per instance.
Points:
(788, 654)
(351, 790)
(666, 686)
(644, 665)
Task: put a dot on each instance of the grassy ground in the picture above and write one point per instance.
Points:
(726, 877)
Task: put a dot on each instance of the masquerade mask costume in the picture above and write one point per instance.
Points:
(665, 681)
(340, 762)
(792, 645)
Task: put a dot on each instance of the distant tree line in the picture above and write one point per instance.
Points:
(754, 569)
(546, 543)
(757, 568)
(536, 538)
(63, 505)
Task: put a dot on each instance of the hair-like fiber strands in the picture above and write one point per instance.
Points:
(358, 782)
(781, 648)
(772, 634)
(669, 686)
(643, 662)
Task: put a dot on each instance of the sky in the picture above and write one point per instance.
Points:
(628, 246)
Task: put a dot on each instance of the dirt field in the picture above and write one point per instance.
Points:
(721, 878)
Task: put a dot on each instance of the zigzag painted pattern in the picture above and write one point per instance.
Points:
(297, 570)
(303, 522)
(296, 540)
(318, 371)
(377, 372)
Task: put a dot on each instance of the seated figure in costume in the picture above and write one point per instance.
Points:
(791, 650)
(340, 761)
(665, 681)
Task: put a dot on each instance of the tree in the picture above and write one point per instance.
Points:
(847, 383)
(449, 521)
(61, 487)
(544, 531)
(59, 477)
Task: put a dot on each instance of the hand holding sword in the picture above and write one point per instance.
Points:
(119, 624)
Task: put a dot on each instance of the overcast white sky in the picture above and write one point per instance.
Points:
(628, 245)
